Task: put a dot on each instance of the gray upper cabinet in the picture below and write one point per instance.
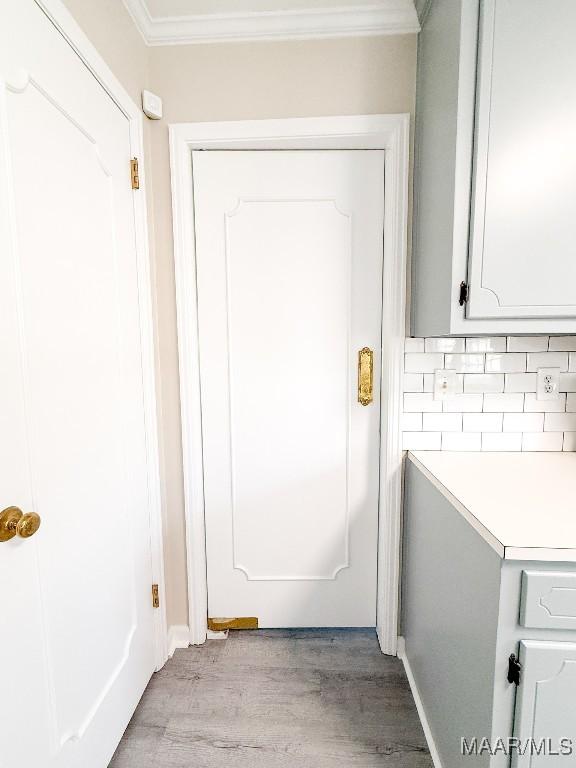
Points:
(495, 168)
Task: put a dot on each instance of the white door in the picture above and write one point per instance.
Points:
(75, 604)
(289, 265)
(545, 711)
(522, 248)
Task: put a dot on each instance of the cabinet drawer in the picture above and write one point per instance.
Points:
(548, 600)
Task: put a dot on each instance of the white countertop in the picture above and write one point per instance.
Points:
(523, 504)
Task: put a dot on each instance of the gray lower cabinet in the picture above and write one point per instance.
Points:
(465, 610)
(545, 704)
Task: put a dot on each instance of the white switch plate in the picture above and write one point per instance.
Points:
(547, 383)
(445, 383)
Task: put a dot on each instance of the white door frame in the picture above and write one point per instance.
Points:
(65, 23)
(387, 132)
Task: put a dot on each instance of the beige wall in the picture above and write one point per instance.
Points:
(112, 31)
(236, 81)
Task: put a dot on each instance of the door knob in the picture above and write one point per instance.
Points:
(13, 522)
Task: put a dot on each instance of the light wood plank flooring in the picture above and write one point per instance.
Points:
(277, 699)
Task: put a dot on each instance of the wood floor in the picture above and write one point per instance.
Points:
(277, 699)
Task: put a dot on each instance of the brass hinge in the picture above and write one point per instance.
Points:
(134, 173)
(155, 596)
(243, 622)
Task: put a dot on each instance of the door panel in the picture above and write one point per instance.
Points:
(545, 703)
(289, 250)
(523, 256)
(275, 352)
(72, 402)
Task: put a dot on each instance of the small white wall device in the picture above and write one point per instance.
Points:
(445, 384)
(151, 105)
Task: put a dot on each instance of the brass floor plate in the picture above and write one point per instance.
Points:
(243, 622)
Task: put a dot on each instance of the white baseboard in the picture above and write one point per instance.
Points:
(178, 637)
(419, 705)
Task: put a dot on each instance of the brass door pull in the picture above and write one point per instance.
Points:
(13, 522)
(365, 375)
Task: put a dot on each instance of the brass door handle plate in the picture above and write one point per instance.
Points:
(13, 522)
(365, 375)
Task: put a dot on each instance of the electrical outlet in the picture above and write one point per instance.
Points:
(445, 383)
(548, 381)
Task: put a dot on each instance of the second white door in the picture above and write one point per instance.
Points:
(76, 614)
(289, 265)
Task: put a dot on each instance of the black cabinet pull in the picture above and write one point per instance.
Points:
(514, 669)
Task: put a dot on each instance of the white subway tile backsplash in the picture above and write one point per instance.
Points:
(482, 422)
(444, 345)
(562, 344)
(463, 403)
(560, 422)
(414, 345)
(442, 422)
(510, 362)
(421, 441)
(503, 441)
(461, 441)
(413, 382)
(411, 422)
(527, 343)
(421, 402)
(523, 422)
(520, 382)
(422, 362)
(495, 406)
(465, 363)
(547, 360)
(486, 344)
(533, 405)
(542, 441)
(483, 382)
(509, 401)
(567, 382)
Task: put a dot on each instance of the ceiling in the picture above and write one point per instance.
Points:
(177, 22)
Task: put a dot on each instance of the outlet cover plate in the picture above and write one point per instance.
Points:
(445, 383)
(547, 383)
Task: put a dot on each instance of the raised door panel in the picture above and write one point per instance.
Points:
(289, 345)
(522, 245)
(545, 720)
(548, 600)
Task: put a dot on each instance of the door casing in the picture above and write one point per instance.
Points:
(391, 134)
(79, 42)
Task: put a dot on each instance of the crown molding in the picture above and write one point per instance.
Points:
(392, 17)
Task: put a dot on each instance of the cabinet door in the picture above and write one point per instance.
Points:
(545, 712)
(522, 239)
